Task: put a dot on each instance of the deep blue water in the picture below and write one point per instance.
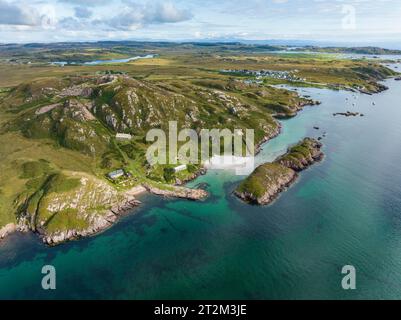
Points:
(345, 210)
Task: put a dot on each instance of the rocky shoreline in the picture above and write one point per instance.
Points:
(7, 229)
(270, 179)
(312, 153)
(299, 107)
(99, 223)
(178, 192)
(201, 172)
(102, 221)
(267, 138)
(272, 192)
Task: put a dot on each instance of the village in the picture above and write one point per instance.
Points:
(260, 74)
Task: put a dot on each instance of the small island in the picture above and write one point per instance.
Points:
(270, 179)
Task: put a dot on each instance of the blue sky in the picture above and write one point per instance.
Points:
(355, 21)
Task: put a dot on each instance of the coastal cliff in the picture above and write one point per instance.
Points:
(73, 205)
(270, 179)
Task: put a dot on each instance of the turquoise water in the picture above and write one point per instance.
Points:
(345, 210)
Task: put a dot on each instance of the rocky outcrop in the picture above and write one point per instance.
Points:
(265, 183)
(77, 91)
(47, 108)
(293, 111)
(178, 192)
(101, 221)
(200, 172)
(376, 87)
(7, 229)
(71, 205)
(303, 155)
(273, 134)
(348, 114)
(74, 205)
(270, 179)
(97, 223)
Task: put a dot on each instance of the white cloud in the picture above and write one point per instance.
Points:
(75, 20)
(13, 14)
(135, 16)
(166, 13)
(91, 3)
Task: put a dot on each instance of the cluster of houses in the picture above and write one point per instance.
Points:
(260, 74)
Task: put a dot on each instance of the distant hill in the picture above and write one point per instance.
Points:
(351, 50)
(78, 52)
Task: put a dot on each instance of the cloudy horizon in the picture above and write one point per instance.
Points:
(354, 21)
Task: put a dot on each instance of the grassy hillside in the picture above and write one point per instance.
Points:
(70, 123)
(68, 201)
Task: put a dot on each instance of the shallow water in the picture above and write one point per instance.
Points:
(345, 210)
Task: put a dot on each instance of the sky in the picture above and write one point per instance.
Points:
(354, 21)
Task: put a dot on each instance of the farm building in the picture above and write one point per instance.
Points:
(123, 136)
(180, 168)
(116, 174)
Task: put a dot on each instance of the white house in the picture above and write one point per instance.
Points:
(123, 136)
(116, 174)
(180, 168)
